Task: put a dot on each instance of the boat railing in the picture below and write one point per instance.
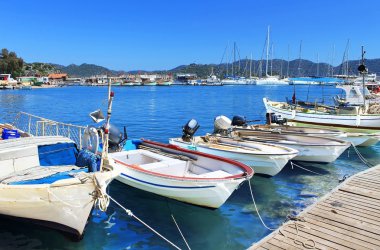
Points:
(38, 126)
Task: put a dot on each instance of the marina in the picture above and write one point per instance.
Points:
(210, 125)
(288, 192)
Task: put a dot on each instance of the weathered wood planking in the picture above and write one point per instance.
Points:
(346, 218)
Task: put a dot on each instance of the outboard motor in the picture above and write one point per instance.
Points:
(239, 120)
(189, 129)
(277, 119)
(116, 139)
(221, 124)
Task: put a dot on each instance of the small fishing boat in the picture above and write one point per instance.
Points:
(310, 148)
(275, 124)
(265, 159)
(180, 174)
(43, 180)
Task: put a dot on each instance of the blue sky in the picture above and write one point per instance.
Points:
(162, 34)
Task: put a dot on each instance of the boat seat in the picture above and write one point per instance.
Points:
(172, 163)
(215, 174)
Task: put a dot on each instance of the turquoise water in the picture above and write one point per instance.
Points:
(158, 113)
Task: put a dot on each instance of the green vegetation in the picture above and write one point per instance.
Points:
(10, 63)
(39, 69)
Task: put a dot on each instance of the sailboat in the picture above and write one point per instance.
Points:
(269, 79)
(233, 79)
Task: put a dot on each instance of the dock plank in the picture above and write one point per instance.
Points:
(346, 218)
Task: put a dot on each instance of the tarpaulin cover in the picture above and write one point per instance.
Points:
(58, 154)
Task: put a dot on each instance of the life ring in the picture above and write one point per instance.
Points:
(90, 139)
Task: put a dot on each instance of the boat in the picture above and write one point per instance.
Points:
(148, 80)
(234, 79)
(357, 136)
(268, 79)
(341, 116)
(265, 159)
(181, 174)
(164, 83)
(310, 148)
(42, 182)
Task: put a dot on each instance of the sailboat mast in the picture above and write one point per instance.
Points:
(287, 70)
(250, 67)
(271, 61)
(299, 60)
(266, 65)
(347, 62)
(317, 64)
(233, 71)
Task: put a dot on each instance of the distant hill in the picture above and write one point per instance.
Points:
(277, 67)
(85, 70)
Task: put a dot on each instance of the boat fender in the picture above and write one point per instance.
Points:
(90, 139)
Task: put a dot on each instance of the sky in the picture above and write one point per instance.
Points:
(163, 34)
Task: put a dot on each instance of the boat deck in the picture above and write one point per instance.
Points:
(346, 218)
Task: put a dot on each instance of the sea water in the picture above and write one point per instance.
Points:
(158, 113)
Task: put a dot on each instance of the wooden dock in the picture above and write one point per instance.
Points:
(346, 218)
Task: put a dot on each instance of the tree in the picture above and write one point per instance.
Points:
(10, 63)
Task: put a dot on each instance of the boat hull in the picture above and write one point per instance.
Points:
(207, 193)
(263, 164)
(64, 205)
(353, 121)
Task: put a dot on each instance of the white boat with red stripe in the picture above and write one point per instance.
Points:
(181, 174)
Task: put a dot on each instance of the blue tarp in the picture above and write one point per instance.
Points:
(58, 154)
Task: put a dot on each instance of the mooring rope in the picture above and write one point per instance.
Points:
(183, 237)
(361, 157)
(129, 212)
(257, 210)
(298, 166)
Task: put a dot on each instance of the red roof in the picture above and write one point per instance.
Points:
(57, 76)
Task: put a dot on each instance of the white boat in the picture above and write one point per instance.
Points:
(355, 95)
(180, 174)
(268, 79)
(40, 183)
(357, 136)
(265, 159)
(310, 148)
(352, 117)
(235, 81)
(271, 80)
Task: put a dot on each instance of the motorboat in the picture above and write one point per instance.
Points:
(265, 159)
(181, 174)
(43, 180)
(310, 148)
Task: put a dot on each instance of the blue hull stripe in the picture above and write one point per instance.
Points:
(159, 185)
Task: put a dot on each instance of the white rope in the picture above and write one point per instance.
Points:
(257, 210)
(298, 166)
(361, 157)
(102, 198)
(129, 212)
(183, 237)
